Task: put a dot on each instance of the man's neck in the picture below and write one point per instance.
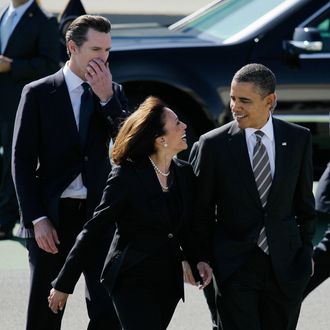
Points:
(17, 3)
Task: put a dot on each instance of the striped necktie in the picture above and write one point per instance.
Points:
(263, 178)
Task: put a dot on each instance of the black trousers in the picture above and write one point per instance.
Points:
(44, 268)
(8, 202)
(251, 299)
(145, 308)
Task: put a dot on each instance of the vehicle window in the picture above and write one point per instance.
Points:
(324, 28)
(227, 18)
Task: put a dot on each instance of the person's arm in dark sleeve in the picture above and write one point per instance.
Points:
(304, 205)
(105, 215)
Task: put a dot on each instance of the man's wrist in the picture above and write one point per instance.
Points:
(38, 220)
(103, 103)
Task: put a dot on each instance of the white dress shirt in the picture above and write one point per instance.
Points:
(267, 139)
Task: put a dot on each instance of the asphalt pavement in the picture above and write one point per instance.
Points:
(191, 315)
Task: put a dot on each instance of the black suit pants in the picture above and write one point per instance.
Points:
(141, 308)
(251, 299)
(44, 268)
(8, 201)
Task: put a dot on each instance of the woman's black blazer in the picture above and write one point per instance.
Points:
(134, 202)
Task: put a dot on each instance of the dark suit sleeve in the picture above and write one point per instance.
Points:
(116, 110)
(204, 204)
(322, 194)
(304, 199)
(25, 157)
(105, 215)
(45, 57)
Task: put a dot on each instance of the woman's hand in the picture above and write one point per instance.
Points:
(188, 276)
(205, 272)
(57, 300)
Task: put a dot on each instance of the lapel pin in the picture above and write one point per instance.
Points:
(283, 143)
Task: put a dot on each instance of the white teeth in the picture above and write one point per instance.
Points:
(239, 116)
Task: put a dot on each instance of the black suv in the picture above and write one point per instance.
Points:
(190, 64)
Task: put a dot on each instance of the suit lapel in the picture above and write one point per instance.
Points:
(183, 188)
(61, 103)
(281, 158)
(239, 152)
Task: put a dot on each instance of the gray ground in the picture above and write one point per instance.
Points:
(192, 315)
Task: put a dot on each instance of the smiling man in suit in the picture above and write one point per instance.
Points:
(29, 50)
(60, 165)
(255, 199)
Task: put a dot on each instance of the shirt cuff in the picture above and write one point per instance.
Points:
(105, 102)
(38, 220)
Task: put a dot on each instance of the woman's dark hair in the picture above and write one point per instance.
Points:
(136, 138)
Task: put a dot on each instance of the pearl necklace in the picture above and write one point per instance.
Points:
(165, 188)
(159, 171)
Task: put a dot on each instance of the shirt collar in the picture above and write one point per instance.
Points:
(20, 9)
(267, 129)
(71, 79)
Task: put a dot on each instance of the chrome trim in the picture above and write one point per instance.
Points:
(304, 118)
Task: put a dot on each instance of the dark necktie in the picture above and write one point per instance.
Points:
(263, 178)
(86, 110)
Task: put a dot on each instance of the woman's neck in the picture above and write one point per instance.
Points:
(162, 161)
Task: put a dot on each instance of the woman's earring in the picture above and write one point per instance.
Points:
(165, 145)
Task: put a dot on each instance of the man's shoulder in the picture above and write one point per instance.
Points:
(219, 132)
(46, 82)
(40, 13)
(291, 127)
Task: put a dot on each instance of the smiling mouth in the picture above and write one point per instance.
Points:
(239, 117)
(184, 138)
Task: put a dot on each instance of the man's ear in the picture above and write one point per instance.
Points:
(271, 101)
(72, 47)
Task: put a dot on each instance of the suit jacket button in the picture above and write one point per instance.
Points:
(170, 235)
(86, 158)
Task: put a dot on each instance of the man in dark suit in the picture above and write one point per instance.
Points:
(60, 165)
(29, 42)
(254, 178)
(321, 254)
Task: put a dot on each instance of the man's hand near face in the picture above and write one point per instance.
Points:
(100, 79)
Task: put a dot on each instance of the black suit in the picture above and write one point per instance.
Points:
(34, 48)
(229, 207)
(46, 158)
(143, 271)
(321, 254)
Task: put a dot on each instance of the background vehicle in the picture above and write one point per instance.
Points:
(190, 64)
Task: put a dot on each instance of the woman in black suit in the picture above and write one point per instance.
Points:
(148, 197)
